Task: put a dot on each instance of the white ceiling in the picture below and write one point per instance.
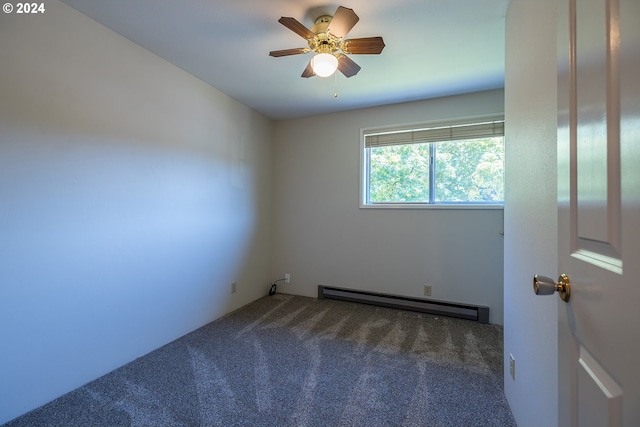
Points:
(433, 48)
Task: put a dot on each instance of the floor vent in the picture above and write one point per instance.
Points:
(441, 308)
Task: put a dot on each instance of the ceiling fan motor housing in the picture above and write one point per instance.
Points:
(323, 41)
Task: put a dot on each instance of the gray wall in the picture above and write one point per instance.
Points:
(321, 236)
(530, 214)
(131, 196)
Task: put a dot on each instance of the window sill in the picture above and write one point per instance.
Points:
(427, 206)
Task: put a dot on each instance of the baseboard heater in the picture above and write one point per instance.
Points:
(441, 308)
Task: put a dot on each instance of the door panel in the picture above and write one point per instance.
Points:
(596, 135)
(599, 211)
(591, 78)
(599, 397)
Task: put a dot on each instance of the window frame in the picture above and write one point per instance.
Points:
(365, 164)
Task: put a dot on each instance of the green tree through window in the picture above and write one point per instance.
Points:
(400, 173)
(460, 171)
(470, 170)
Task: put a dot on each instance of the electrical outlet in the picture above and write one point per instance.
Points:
(234, 287)
(512, 366)
(287, 278)
(427, 290)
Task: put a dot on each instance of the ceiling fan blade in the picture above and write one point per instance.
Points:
(366, 45)
(347, 66)
(287, 52)
(295, 26)
(342, 22)
(308, 72)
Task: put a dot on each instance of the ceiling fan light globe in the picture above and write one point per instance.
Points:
(324, 64)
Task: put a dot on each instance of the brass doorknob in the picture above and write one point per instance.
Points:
(543, 285)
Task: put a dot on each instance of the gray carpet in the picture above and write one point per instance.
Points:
(294, 361)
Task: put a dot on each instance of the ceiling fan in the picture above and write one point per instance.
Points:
(326, 39)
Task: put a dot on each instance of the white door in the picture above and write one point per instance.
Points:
(599, 212)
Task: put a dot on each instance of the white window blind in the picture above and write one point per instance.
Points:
(435, 134)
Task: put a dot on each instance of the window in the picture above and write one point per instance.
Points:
(457, 164)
